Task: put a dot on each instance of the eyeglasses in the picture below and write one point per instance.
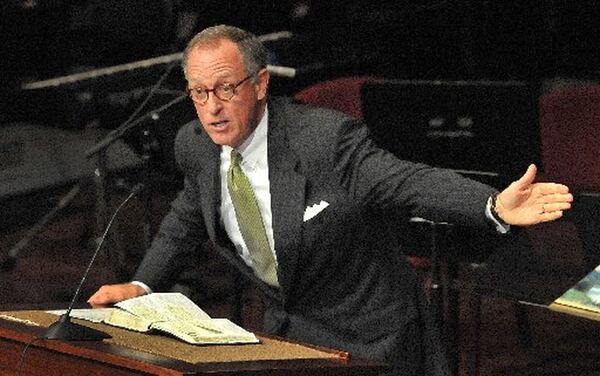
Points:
(224, 92)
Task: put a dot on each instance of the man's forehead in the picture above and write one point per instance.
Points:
(215, 46)
(213, 60)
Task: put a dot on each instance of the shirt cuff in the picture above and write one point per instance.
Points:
(143, 285)
(502, 228)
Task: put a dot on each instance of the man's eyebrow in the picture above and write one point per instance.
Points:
(225, 79)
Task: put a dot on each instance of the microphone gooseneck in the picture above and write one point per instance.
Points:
(64, 328)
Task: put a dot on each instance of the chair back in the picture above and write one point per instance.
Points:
(342, 94)
(570, 136)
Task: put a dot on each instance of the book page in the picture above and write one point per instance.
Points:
(96, 315)
(172, 313)
(164, 307)
(124, 319)
(229, 332)
(176, 314)
(168, 307)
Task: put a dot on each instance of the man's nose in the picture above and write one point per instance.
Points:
(213, 103)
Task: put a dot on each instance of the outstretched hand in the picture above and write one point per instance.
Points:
(525, 203)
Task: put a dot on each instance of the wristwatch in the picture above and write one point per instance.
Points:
(493, 200)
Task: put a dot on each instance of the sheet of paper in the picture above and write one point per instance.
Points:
(89, 314)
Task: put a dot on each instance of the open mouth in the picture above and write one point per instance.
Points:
(219, 124)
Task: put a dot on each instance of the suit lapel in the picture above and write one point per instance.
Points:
(210, 183)
(287, 187)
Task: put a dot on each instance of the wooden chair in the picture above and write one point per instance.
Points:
(570, 140)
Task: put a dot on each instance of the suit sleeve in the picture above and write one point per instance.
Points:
(181, 232)
(380, 179)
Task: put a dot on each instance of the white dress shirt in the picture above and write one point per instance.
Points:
(500, 227)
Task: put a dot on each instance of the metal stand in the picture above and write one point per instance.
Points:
(115, 243)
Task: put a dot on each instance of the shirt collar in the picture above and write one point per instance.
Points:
(254, 148)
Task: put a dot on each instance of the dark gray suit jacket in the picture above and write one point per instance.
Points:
(343, 281)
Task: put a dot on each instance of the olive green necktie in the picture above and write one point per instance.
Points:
(250, 221)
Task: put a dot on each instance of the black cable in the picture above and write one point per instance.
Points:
(23, 353)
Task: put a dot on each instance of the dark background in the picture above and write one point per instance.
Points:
(434, 39)
(532, 41)
(425, 39)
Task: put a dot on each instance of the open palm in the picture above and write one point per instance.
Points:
(525, 203)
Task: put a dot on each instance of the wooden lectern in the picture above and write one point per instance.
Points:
(274, 356)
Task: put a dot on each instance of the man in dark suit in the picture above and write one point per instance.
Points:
(327, 269)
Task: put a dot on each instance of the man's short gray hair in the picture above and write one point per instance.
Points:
(253, 52)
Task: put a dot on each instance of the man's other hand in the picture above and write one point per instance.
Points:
(109, 294)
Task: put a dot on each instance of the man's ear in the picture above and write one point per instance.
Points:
(263, 84)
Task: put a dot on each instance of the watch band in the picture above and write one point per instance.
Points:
(493, 201)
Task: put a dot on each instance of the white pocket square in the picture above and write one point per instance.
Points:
(315, 209)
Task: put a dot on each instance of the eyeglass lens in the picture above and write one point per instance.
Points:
(224, 92)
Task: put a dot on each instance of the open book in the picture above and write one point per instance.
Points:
(172, 313)
(583, 299)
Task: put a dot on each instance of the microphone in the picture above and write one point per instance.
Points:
(64, 328)
(10, 260)
(115, 134)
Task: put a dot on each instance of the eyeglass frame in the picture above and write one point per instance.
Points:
(214, 91)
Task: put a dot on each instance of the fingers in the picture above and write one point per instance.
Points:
(100, 299)
(109, 294)
(550, 197)
(557, 198)
(554, 203)
(558, 206)
(103, 297)
(551, 216)
(552, 188)
(553, 206)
